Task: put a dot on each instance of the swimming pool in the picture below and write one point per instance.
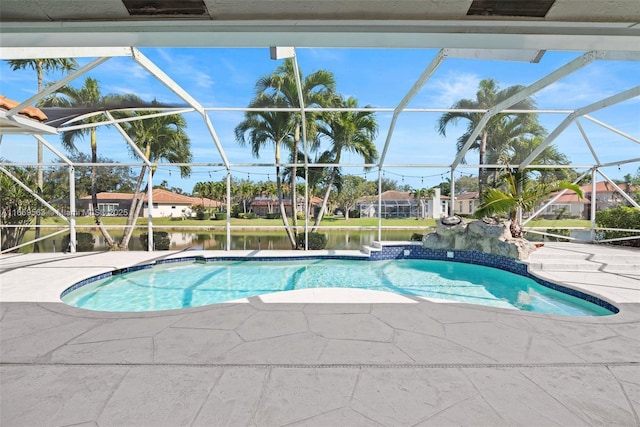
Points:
(182, 285)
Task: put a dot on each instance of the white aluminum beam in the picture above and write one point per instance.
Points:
(23, 125)
(113, 121)
(474, 34)
(586, 140)
(148, 65)
(46, 52)
(127, 138)
(54, 150)
(604, 103)
(52, 88)
(620, 190)
(422, 80)
(554, 76)
(612, 129)
(33, 193)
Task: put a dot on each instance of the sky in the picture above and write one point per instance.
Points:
(226, 77)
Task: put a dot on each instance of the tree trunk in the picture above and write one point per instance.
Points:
(39, 185)
(94, 188)
(134, 211)
(283, 211)
(294, 177)
(325, 200)
(40, 178)
(481, 171)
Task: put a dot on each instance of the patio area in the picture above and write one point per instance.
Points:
(319, 357)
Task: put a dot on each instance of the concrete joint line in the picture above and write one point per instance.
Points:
(337, 365)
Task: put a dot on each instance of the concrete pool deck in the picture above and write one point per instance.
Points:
(319, 357)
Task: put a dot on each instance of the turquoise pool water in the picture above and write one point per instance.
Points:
(174, 286)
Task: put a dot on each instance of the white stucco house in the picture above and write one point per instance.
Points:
(165, 204)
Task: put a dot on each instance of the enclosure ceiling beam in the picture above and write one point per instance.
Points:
(61, 52)
(178, 90)
(550, 78)
(604, 103)
(612, 129)
(113, 121)
(54, 150)
(130, 141)
(55, 86)
(586, 140)
(474, 34)
(422, 80)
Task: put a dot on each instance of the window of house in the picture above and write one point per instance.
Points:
(107, 209)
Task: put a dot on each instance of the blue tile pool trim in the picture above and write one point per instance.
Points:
(386, 252)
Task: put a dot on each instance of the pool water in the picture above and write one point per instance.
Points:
(174, 286)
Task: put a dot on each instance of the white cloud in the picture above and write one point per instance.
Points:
(447, 90)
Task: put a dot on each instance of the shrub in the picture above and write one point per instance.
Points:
(317, 241)
(300, 215)
(273, 215)
(417, 237)
(220, 215)
(161, 240)
(203, 215)
(622, 217)
(85, 242)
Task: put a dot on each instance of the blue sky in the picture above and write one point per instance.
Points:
(380, 78)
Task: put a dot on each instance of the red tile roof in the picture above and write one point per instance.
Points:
(31, 112)
(160, 196)
(601, 187)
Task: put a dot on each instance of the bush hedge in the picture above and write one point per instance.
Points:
(317, 241)
(417, 237)
(161, 240)
(622, 217)
(85, 242)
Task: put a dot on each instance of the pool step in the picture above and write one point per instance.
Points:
(551, 259)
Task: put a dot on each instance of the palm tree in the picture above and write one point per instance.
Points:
(246, 190)
(520, 194)
(317, 90)
(159, 138)
(261, 128)
(268, 189)
(508, 139)
(520, 149)
(488, 95)
(42, 66)
(352, 131)
(88, 96)
(420, 195)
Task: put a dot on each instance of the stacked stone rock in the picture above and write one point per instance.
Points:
(487, 236)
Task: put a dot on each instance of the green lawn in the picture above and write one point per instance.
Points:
(335, 222)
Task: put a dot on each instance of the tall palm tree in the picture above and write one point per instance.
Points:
(159, 138)
(42, 66)
(261, 128)
(348, 131)
(318, 89)
(88, 96)
(488, 95)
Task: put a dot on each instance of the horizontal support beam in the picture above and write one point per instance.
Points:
(474, 34)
